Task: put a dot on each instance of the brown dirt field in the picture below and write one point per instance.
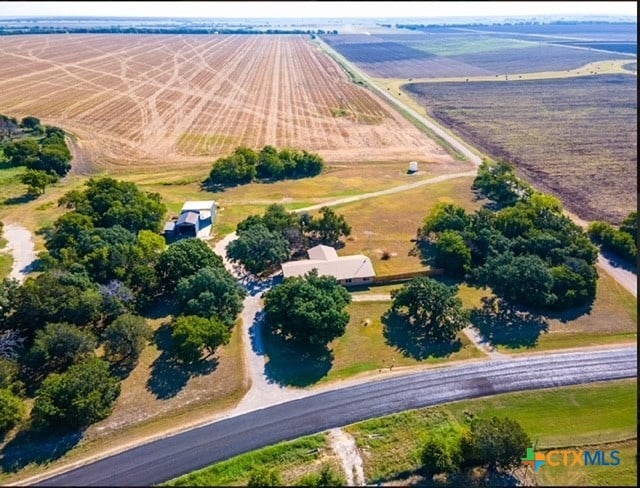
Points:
(140, 101)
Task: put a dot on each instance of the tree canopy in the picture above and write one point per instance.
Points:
(245, 164)
(258, 249)
(79, 397)
(329, 228)
(211, 292)
(499, 443)
(432, 307)
(183, 259)
(192, 334)
(59, 346)
(307, 310)
(528, 252)
(109, 202)
(125, 338)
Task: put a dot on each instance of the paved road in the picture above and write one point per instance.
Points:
(167, 458)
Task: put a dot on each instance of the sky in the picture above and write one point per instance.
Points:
(311, 9)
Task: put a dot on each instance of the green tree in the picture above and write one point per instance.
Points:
(262, 476)
(30, 123)
(630, 226)
(498, 443)
(11, 410)
(109, 202)
(192, 334)
(442, 452)
(326, 477)
(431, 306)
(23, 152)
(329, 228)
(452, 253)
(498, 182)
(183, 259)
(524, 280)
(616, 241)
(269, 164)
(445, 216)
(59, 346)
(238, 168)
(308, 310)
(9, 290)
(84, 394)
(37, 181)
(57, 297)
(125, 338)
(211, 292)
(53, 159)
(258, 249)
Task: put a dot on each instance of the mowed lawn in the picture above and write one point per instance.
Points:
(366, 347)
(612, 318)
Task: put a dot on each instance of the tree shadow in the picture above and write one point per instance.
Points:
(618, 262)
(574, 313)
(503, 324)
(169, 375)
(292, 364)
(26, 198)
(31, 446)
(411, 341)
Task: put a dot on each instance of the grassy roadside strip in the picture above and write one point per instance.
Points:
(600, 414)
(366, 82)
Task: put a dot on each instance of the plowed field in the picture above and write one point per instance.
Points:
(140, 100)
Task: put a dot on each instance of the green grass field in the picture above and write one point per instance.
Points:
(286, 457)
(562, 417)
(6, 262)
(458, 44)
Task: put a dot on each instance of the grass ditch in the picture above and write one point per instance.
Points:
(291, 458)
(568, 416)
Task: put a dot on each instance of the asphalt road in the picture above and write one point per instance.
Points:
(173, 456)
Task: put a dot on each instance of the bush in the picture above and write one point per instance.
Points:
(81, 396)
(11, 410)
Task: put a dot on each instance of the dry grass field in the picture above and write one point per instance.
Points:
(181, 101)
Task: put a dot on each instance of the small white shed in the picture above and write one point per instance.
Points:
(413, 166)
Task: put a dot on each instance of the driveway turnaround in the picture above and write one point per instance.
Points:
(167, 458)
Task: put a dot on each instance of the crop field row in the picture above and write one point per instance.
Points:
(161, 100)
(451, 53)
(575, 137)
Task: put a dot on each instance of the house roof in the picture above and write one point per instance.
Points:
(198, 205)
(342, 268)
(188, 218)
(322, 253)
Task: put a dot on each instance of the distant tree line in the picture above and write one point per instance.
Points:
(42, 149)
(36, 29)
(523, 247)
(245, 165)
